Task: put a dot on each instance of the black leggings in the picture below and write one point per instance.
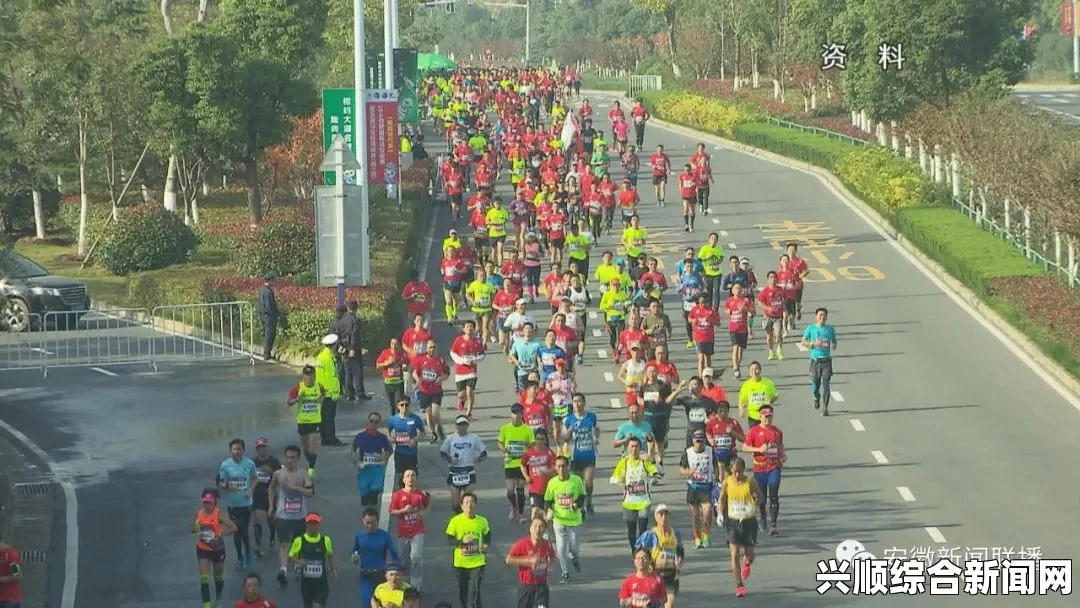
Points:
(469, 581)
(636, 528)
(595, 224)
(532, 276)
(713, 287)
(394, 393)
(241, 516)
(770, 498)
(689, 325)
(615, 327)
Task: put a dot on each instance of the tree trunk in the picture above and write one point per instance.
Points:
(195, 210)
(254, 193)
(39, 215)
(166, 16)
(669, 22)
(738, 60)
(204, 11)
(84, 201)
(170, 185)
(755, 76)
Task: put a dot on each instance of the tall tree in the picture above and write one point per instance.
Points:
(669, 10)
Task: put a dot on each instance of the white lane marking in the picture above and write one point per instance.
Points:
(597, 333)
(716, 220)
(722, 232)
(601, 353)
(935, 535)
(71, 516)
(906, 493)
(47, 353)
(836, 396)
(609, 377)
(799, 345)
(103, 371)
(879, 456)
(1070, 95)
(592, 314)
(857, 425)
(732, 246)
(616, 404)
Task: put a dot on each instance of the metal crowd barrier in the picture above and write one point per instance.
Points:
(24, 349)
(133, 336)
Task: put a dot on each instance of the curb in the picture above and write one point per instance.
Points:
(1014, 335)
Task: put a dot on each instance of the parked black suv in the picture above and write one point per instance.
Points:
(30, 290)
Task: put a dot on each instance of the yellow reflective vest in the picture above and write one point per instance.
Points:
(326, 373)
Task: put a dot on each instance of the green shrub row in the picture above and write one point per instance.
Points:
(146, 238)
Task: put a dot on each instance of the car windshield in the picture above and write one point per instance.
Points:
(15, 266)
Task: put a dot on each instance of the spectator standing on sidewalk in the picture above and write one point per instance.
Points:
(326, 375)
(352, 379)
(268, 312)
(10, 576)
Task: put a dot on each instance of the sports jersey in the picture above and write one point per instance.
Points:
(580, 433)
(238, 477)
(403, 430)
(466, 353)
(515, 439)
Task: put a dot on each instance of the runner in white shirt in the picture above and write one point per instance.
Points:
(462, 450)
(515, 321)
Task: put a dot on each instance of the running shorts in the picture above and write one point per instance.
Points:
(738, 338)
(463, 384)
(214, 557)
(307, 428)
(288, 529)
(698, 496)
(427, 400)
(705, 348)
(659, 179)
(743, 533)
(514, 474)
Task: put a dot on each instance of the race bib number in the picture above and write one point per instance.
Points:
(636, 488)
(757, 398)
(651, 396)
(293, 506)
(429, 375)
(741, 510)
(309, 407)
(470, 549)
(583, 442)
(419, 298)
(666, 559)
(460, 480)
(696, 415)
(239, 485)
(723, 442)
(371, 459)
(579, 307)
(565, 501)
(515, 449)
(313, 569)
(402, 438)
(410, 519)
(527, 364)
(262, 476)
(772, 452)
(483, 302)
(207, 535)
(700, 475)
(639, 120)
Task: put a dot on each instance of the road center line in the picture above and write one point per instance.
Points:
(104, 371)
(716, 220)
(722, 232)
(857, 425)
(879, 457)
(592, 314)
(616, 404)
(609, 377)
(836, 396)
(597, 333)
(732, 246)
(935, 535)
(601, 353)
(905, 493)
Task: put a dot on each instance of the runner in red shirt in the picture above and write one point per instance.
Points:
(533, 556)
(452, 269)
(454, 183)
(772, 305)
(555, 286)
(556, 227)
(633, 336)
(594, 203)
(429, 371)
(661, 168)
(466, 352)
(766, 442)
(785, 280)
(408, 505)
(666, 371)
(799, 270)
(10, 568)
(639, 115)
(710, 387)
(628, 202)
(703, 319)
(536, 406)
(415, 339)
(478, 222)
(703, 174)
(391, 363)
(513, 272)
(643, 589)
(538, 466)
(688, 194)
(740, 311)
(253, 597)
(724, 434)
(608, 191)
(417, 295)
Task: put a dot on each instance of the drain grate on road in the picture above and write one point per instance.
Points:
(33, 489)
(33, 556)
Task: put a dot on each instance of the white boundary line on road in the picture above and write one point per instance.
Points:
(906, 493)
(104, 371)
(71, 519)
(935, 535)
(879, 457)
(857, 425)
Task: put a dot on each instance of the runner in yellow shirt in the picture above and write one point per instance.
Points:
(496, 218)
(480, 295)
(633, 238)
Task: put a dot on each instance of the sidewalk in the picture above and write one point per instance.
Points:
(30, 503)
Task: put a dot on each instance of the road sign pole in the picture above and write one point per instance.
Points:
(1076, 43)
(339, 220)
(388, 42)
(361, 138)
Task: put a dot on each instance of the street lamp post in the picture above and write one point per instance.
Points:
(1076, 44)
(360, 112)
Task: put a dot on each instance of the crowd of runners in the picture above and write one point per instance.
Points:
(529, 180)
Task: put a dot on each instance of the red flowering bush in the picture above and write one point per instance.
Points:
(1049, 307)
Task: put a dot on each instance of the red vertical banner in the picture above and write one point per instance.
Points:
(1068, 18)
(382, 141)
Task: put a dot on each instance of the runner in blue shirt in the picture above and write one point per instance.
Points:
(820, 338)
(525, 354)
(236, 478)
(582, 435)
(549, 354)
(370, 451)
(405, 429)
(637, 427)
(690, 261)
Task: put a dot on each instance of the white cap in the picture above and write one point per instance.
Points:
(521, 301)
(330, 339)
(661, 507)
(707, 372)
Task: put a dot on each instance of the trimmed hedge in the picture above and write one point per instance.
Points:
(282, 248)
(146, 238)
(807, 147)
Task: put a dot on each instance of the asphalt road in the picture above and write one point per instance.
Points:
(1063, 101)
(928, 401)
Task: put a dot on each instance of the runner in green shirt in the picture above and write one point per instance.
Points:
(565, 500)
(514, 438)
(470, 535)
(711, 255)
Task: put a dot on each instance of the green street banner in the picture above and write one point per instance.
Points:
(339, 117)
(407, 80)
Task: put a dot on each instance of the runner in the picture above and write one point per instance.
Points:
(480, 294)
(462, 450)
(643, 588)
(417, 296)
(820, 338)
(549, 353)
(582, 432)
(497, 217)
(634, 238)
(373, 549)
(700, 466)
(370, 451)
(452, 269)
(561, 385)
(538, 466)
(210, 527)
(757, 392)
(391, 363)
(405, 430)
(704, 177)
(711, 256)
(660, 164)
(799, 270)
(771, 298)
(237, 476)
(578, 247)
(391, 593)
(289, 490)
(704, 319)
(688, 181)
(724, 434)
(766, 442)
(785, 280)
(505, 304)
(667, 373)
(656, 399)
(253, 597)
(429, 371)
(470, 535)
(265, 465)
(710, 388)
(524, 354)
(308, 396)
(740, 312)
(313, 554)
(740, 497)
(665, 546)
(532, 556)
(565, 498)
(466, 352)
(628, 202)
(635, 474)
(613, 304)
(536, 405)
(409, 505)
(514, 438)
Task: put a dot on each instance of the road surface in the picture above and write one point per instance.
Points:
(1061, 100)
(940, 438)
